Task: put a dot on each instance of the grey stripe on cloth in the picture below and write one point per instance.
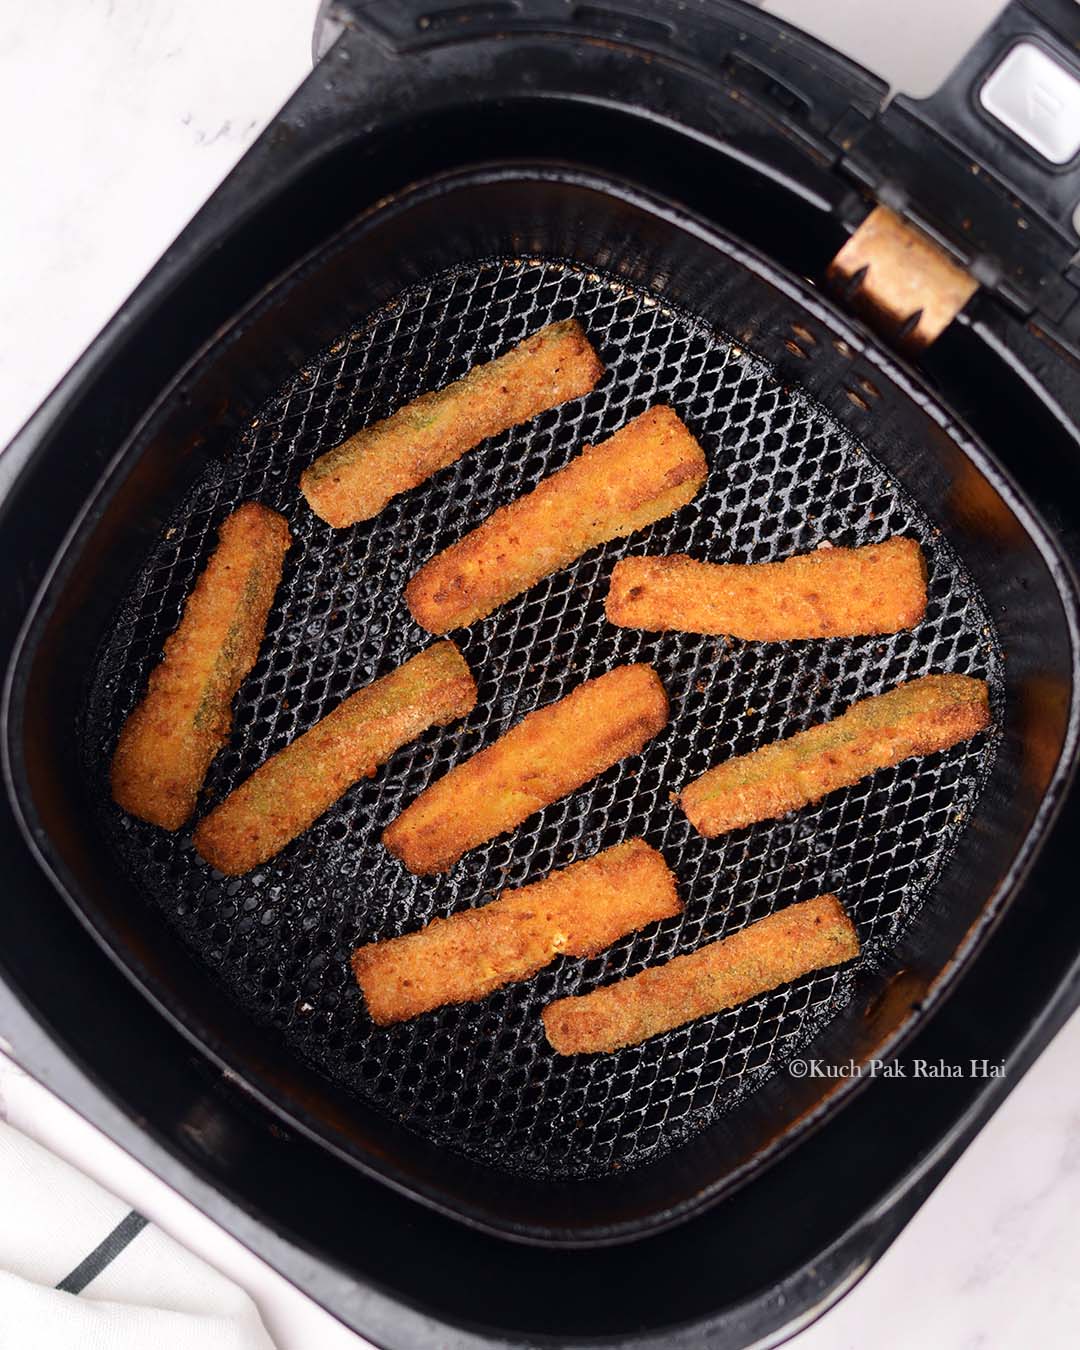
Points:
(91, 1266)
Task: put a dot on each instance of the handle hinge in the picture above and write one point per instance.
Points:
(952, 168)
(903, 283)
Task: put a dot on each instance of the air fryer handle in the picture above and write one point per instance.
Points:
(807, 92)
(809, 88)
(754, 85)
(1012, 106)
(406, 22)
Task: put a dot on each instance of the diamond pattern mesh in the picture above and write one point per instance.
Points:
(784, 477)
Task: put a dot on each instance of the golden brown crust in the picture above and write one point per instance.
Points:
(550, 752)
(916, 718)
(288, 793)
(831, 592)
(356, 479)
(794, 941)
(184, 718)
(575, 912)
(648, 469)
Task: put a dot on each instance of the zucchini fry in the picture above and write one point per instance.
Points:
(288, 793)
(917, 718)
(356, 479)
(647, 470)
(182, 721)
(782, 947)
(548, 754)
(574, 912)
(831, 592)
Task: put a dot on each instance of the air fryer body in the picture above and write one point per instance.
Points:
(409, 151)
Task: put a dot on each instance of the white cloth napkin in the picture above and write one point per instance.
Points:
(78, 1268)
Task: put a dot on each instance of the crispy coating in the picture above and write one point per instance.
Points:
(832, 592)
(648, 469)
(356, 479)
(575, 912)
(796, 940)
(288, 793)
(183, 719)
(916, 718)
(550, 752)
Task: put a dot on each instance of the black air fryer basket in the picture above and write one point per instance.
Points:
(448, 180)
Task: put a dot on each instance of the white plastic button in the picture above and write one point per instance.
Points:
(1038, 99)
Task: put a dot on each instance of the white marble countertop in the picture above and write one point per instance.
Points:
(121, 118)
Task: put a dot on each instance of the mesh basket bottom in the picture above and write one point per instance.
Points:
(783, 478)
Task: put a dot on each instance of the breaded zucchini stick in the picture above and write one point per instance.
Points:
(183, 719)
(550, 752)
(288, 793)
(356, 479)
(832, 592)
(576, 912)
(793, 942)
(648, 469)
(916, 718)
